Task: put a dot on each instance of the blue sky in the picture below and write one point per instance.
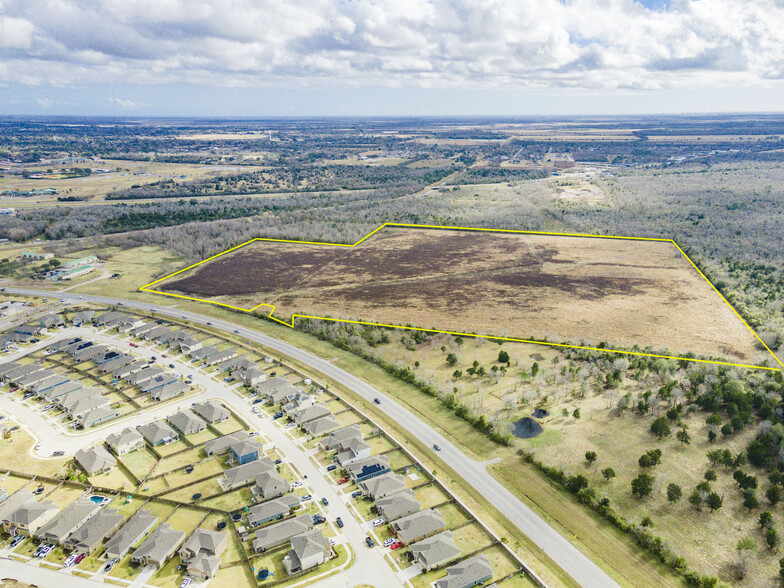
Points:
(393, 57)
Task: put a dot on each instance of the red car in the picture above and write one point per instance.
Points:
(396, 545)
(79, 558)
(342, 480)
(133, 344)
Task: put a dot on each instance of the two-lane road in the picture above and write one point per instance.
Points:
(561, 551)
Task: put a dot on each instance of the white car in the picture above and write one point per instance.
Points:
(185, 583)
(388, 542)
(256, 410)
(69, 560)
(296, 484)
(377, 522)
(331, 541)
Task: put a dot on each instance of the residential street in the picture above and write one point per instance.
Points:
(474, 473)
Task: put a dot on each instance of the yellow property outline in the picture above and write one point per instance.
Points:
(146, 288)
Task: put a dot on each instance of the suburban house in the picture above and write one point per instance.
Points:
(30, 517)
(96, 417)
(169, 391)
(367, 468)
(158, 331)
(96, 460)
(201, 553)
(418, 525)
(52, 394)
(159, 546)
(82, 261)
(83, 317)
(116, 363)
(203, 352)
(211, 411)
(470, 572)
(51, 321)
(381, 486)
(272, 509)
(321, 426)
(244, 451)
(37, 255)
(351, 451)
(123, 372)
(269, 386)
(125, 441)
(156, 382)
(397, 505)
(80, 407)
(148, 373)
(29, 330)
(107, 317)
(270, 484)
(97, 529)
(130, 534)
(332, 440)
(253, 376)
(308, 550)
(189, 345)
(13, 502)
(280, 533)
(244, 474)
(436, 551)
(67, 521)
(306, 414)
(221, 444)
(142, 329)
(158, 433)
(237, 364)
(221, 356)
(187, 423)
(70, 399)
(48, 384)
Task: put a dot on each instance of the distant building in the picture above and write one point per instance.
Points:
(72, 273)
(37, 255)
(81, 262)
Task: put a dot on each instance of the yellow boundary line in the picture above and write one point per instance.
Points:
(147, 288)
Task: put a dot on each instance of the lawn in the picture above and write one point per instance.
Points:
(205, 488)
(348, 418)
(166, 450)
(501, 562)
(453, 515)
(430, 495)
(15, 455)
(113, 479)
(234, 576)
(125, 570)
(139, 462)
(398, 459)
(363, 507)
(124, 506)
(202, 437)
(12, 483)
(471, 537)
(231, 501)
(233, 551)
(228, 426)
(168, 576)
(64, 495)
(179, 460)
(380, 444)
(185, 518)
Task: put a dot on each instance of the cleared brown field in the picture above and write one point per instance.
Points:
(574, 289)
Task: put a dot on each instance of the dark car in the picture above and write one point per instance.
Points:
(332, 468)
(377, 400)
(356, 494)
(277, 415)
(319, 519)
(369, 541)
(278, 461)
(339, 521)
(324, 501)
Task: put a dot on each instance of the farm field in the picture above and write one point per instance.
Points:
(576, 289)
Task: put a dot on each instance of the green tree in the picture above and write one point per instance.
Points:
(710, 475)
(695, 499)
(714, 501)
(660, 428)
(727, 430)
(765, 519)
(457, 374)
(642, 485)
(451, 359)
(684, 437)
(576, 413)
(534, 370)
(745, 548)
(773, 494)
(608, 474)
(674, 493)
(750, 500)
(590, 457)
(503, 357)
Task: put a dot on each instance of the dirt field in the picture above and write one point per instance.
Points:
(513, 285)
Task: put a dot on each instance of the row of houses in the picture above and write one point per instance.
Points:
(309, 547)
(88, 407)
(83, 526)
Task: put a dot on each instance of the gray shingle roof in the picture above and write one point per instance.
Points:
(437, 550)
(96, 529)
(383, 485)
(398, 505)
(68, 520)
(281, 532)
(186, 422)
(211, 411)
(469, 572)
(418, 525)
(159, 545)
(95, 459)
(130, 533)
(221, 444)
(157, 431)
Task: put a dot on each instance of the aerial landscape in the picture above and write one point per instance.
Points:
(379, 294)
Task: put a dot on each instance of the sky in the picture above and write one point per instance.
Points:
(259, 58)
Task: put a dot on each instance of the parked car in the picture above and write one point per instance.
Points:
(369, 542)
(164, 355)
(278, 461)
(79, 558)
(396, 545)
(356, 494)
(342, 480)
(69, 560)
(332, 468)
(306, 497)
(108, 567)
(256, 409)
(185, 583)
(324, 501)
(319, 519)
(339, 521)
(16, 541)
(277, 415)
(28, 395)
(377, 522)
(388, 542)
(58, 453)
(253, 434)
(133, 344)
(296, 484)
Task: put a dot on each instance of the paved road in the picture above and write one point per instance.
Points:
(562, 552)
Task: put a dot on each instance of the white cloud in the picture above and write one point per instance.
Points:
(589, 44)
(124, 104)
